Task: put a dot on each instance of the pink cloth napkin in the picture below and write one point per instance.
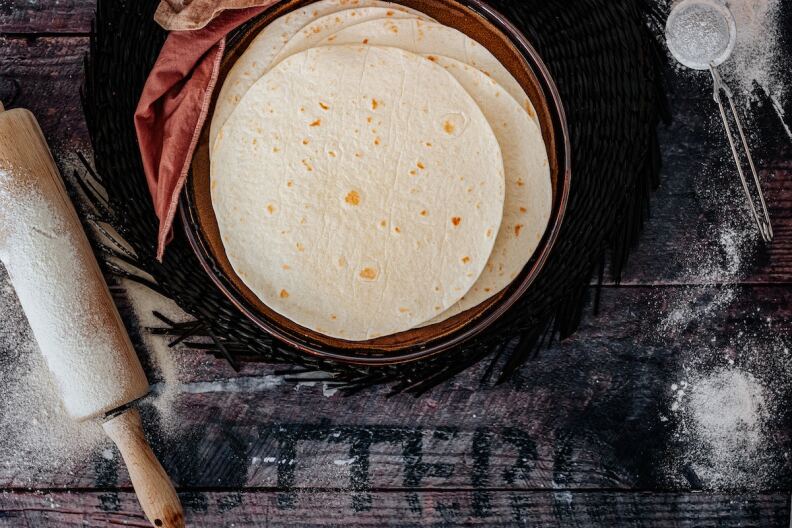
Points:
(174, 106)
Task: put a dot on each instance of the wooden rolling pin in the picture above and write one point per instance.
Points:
(70, 310)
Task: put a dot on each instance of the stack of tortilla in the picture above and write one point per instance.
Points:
(374, 171)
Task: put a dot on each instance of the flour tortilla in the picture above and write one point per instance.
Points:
(314, 33)
(260, 55)
(431, 38)
(529, 194)
(351, 228)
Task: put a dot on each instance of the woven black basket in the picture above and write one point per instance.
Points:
(605, 60)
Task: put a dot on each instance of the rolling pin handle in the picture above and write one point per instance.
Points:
(152, 485)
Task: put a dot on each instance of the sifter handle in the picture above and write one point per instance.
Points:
(763, 220)
(152, 485)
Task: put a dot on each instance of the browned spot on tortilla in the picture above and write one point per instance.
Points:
(413, 173)
(404, 310)
(275, 149)
(307, 165)
(333, 317)
(428, 144)
(456, 221)
(432, 58)
(377, 141)
(370, 119)
(383, 223)
(523, 210)
(449, 127)
(487, 290)
(316, 123)
(421, 166)
(489, 233)
(342, 262)
(389, 13)
(306, 141)
(397, 229)
(529, 109)
(270, 209)
(286, 267)
(365, 41)
(465, 260)
(374, 104)
(520, 183)
(323, 106)
(289, 183)
(284, 294)
(358, 154)
(368, 274)
(517, 229)
(331, 153)
(424, 213)
(214, 185)
(353, 198)
(300, 247)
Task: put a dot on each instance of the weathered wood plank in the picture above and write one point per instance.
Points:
(44, 75)
(592, 412)
(46, 16)
(700, 200)
(548, 509)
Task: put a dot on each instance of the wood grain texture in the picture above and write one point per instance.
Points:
(585, 417)
(593, 412)
(700, 196)
(44, 75)
(31, 16)
(548, 509)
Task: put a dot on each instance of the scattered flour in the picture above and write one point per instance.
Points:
(732, 386)
(757, 56)
(725, 414)
(716, 266)
(723, 409)
(164, 359)
(36, 433)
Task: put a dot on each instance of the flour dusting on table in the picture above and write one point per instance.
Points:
(36, 433)
(166, 389)
(757, 56)
(721, 424)
(733, 383)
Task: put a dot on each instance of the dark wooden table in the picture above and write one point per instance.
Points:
(585, 435)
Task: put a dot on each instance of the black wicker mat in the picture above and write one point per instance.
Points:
(606, 62)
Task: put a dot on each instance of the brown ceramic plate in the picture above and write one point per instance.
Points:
(481, 22)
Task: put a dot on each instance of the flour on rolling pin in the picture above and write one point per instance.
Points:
(39, 250)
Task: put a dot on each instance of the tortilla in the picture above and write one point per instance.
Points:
(314, 33)
(529, 194)
(358, 190)
(259, 56)
(431, 38)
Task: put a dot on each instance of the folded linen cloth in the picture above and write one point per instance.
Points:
(175, 102)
